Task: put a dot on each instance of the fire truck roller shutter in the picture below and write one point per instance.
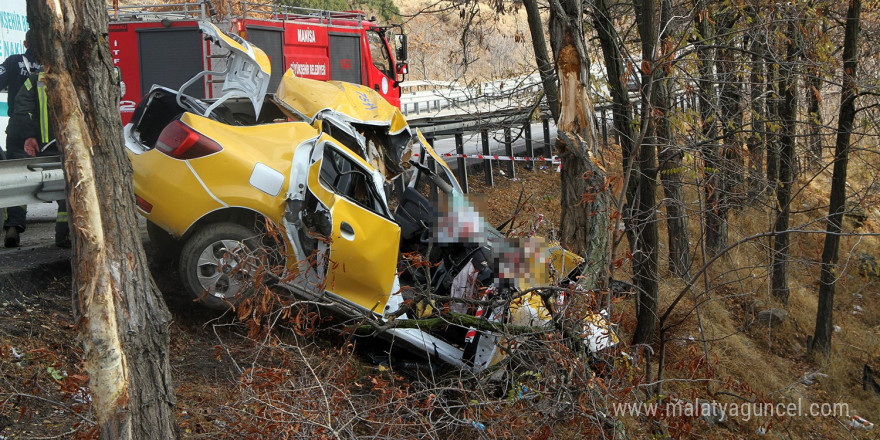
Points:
(170, 57)
(272, 42)
(345, 57)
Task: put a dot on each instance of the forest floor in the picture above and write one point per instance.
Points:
(42, 383)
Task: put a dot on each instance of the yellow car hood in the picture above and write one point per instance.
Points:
(359, 103)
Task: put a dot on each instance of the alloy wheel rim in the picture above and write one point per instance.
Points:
(219, 268)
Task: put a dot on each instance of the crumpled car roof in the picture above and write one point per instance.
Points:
(348, 106)
(360, 103)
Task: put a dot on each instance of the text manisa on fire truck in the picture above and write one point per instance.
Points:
(161, 44)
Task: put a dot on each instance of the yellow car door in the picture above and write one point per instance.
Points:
(363, 241)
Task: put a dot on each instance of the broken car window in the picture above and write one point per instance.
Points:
(349, 180)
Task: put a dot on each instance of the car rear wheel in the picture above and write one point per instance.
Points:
(217, 264)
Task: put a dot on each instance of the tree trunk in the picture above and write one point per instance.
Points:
(814, 102)
(828, 275)
(585, 202)
(621, 107)
(713, 226)
(774, 104)
(788, 113)
(645, 219)
(814, 113)
(758, 139)
(725, 174)
(122, 319)
(542, 58)
(669, 154)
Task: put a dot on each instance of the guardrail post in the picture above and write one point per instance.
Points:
(548, 151)
(508, 150)
(432, 165)
(530, 150)
(487, 163)
(604, 128)
(614, 129)
(462, 162)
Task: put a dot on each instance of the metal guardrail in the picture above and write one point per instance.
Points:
(451, 124)
(34, 180)
(440, 96)
(460, 119)
(442, 108)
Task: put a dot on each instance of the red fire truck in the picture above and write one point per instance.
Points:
(161, 44)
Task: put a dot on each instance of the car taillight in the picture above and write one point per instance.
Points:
(143, 204)
(180, 141)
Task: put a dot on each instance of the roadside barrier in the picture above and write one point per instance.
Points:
(552, 159)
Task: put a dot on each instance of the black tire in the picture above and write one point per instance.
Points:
(164, 248)
(216, 264)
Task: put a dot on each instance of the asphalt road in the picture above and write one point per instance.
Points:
(40, 228)
(38, 259)
(37, 262)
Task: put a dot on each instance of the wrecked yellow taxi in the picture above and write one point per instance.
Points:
(353, 192)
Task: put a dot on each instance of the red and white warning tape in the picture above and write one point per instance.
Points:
(552, 159)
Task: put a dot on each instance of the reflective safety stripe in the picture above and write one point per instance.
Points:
(27, 84)
(62, 217)
(44, 112)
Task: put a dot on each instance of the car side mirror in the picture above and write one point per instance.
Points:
(402, 68)
(400, 47)
(117, 78)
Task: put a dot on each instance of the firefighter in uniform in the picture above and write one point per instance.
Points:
(30, 135)
(15, 69)
(13, 72)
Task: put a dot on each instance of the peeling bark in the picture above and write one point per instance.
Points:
(122, 319)
(585, 203)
